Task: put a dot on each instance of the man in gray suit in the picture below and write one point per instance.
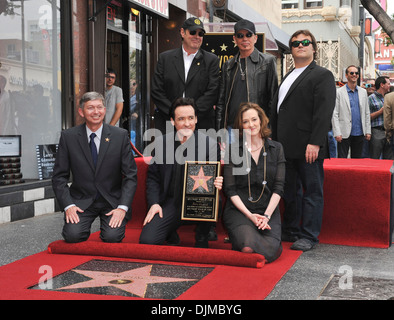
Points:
(351, 121)
(104, 175)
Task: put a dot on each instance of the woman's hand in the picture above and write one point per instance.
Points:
(261, 222)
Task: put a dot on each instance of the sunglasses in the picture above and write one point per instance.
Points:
(305, 43)
(241, 35)
(200, 33)
(353, 73)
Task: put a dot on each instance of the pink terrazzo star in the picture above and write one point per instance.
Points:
(133, 281)
(201, 180)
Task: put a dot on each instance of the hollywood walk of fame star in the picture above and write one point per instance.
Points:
(134, 281)
(201, 180)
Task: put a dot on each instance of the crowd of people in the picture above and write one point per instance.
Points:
(361, 122)
(279, 131)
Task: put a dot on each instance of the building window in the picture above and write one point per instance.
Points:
(313, 4)
(289, 4)
(344, 3)
(30, 88)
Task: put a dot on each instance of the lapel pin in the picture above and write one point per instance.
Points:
(107, 139)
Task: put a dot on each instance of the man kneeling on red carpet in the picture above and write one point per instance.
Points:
(165, 176)
(104, 175)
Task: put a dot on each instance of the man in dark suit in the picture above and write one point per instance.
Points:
(104, 175)
(165, 176)
(187, 72)
(304, 105)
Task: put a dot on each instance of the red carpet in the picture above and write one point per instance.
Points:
(357, 203)
(163, 253)
(228, 282)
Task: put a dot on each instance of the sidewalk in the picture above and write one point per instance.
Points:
(362, 273)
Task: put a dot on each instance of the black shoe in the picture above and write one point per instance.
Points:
(303, 245)
(201, 241)
(212, 235)
(173, 239)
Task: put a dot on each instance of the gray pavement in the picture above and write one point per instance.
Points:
(329, 272)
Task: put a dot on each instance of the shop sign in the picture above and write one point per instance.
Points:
(157, 6)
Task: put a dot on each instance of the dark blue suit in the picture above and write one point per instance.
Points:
(114, 178)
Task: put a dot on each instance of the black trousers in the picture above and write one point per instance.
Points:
(159, 229)
(356, 145)
(78, 232)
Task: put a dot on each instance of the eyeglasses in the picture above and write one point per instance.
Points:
(110, 77)
(241, 35)
(200, 33)
(305, 43)
(353, 73)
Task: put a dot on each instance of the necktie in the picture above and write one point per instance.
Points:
(93, 148)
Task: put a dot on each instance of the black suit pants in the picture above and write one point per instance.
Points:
(159, 229)
(78, 232)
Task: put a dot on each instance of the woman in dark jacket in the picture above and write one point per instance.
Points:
(254, 186)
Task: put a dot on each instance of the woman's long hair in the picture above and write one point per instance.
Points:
(245, 106)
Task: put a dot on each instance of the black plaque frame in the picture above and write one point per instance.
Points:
(200, 201)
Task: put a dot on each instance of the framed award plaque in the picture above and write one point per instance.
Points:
(200, 199)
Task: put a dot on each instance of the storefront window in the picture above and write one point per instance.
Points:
(30, 98)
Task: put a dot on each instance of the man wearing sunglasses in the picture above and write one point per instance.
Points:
(250, 76)
(351, 121)
(187, 71)
(304, 104)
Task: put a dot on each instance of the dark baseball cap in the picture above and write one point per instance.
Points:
(193, 23)
(244, 24)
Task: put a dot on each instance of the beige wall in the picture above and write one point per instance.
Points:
(270, 9)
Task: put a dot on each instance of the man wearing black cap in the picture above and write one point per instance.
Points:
(187, 72)
(250, 76)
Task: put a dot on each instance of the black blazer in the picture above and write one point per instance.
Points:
(202, 83)
(305, 114)
(115, 176)
(159, 179)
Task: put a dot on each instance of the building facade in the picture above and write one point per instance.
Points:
(336, 26)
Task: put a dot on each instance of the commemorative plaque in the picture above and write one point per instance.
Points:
(200, 197)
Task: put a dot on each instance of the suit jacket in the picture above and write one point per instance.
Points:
(388, 112)
(161, 169)
(305, 113)
(115, 176)
(202, 83)
(342, 116)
